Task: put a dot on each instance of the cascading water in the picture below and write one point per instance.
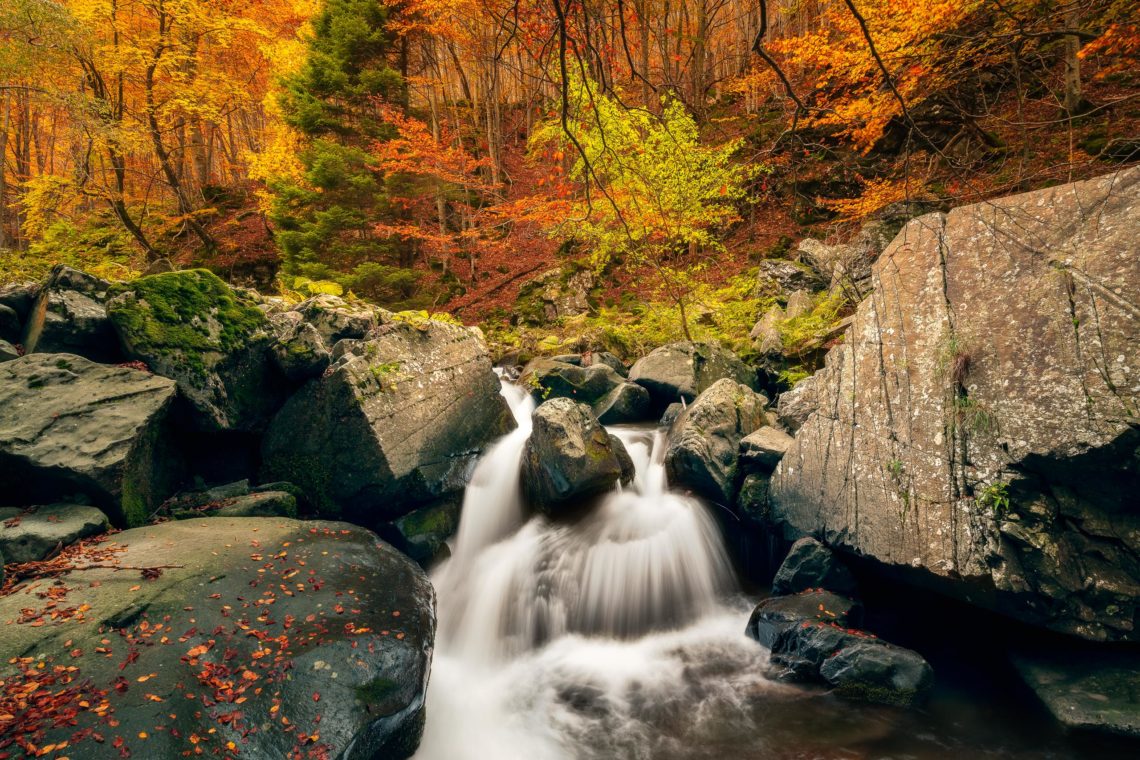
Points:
(568, 640)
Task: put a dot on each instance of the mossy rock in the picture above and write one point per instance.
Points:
(214, 342)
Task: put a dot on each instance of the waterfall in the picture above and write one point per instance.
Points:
(541, 619)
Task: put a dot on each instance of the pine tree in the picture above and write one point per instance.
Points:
(325, 221)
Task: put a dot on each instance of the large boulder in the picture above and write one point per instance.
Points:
(683, 371)
(785, 276)
(248, 637)
(69, 426)
(704, 442)
(214, 342)
(570, 457)
(29, 535)
(394, 423)
(70, 316)
(978, 430)
(775, 615)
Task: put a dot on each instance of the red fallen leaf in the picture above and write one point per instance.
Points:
(316, 696)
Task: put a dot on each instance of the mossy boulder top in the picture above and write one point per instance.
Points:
(235, 637)
(395, 422)
(213, 341)
(71, 427)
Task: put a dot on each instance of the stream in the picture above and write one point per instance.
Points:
(621, 635)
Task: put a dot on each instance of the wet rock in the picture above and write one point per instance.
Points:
(875, 671)
(29, 535)
(704, 442)
(763, 449)
(752, 501)
(672, 412)
(423, 534)
(70, 316)
(1086, 690)
(985, 404)
(394, 424)
(569, 457)
(352, 683)
(682, 371)
(788, 276)
(627, 402)
(69, 426)
(550, 378)
(193, 328)
(773, 616)
(810, 564)
(609, 360)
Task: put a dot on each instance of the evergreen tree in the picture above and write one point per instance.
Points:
(325, 221)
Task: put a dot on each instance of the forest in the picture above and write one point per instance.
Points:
(439, 154)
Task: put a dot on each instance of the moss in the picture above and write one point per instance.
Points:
(312, 480)
(433, 521)
(179, 316)
(377, 691)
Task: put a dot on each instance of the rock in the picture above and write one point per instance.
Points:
(8, 352)
(752, 501)
(810, 564)
(20, 297)
(777, 614)
(762, 450)
(336, 319)
(1084, 689)
(766, 338)
(874, 671)
(395, 423)
(69, 316)
(299, 350)
(613, 399)
(794, 406)
(556, 294)
(69, 426)
(205, 645)
(627, 402)
(569, 456)
(672, 412)
(799, 303)
(788, 276)
(32, 535)
(985, 405)
(683, 371)
(609, 360)
(264, 504)
(704, 442)
(575, 359)
(193, 328)
(423, 534)
(11, 327)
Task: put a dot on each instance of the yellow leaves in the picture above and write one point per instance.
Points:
(877, 194)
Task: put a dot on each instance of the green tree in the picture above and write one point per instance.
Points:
(325, 219)
(652, 195)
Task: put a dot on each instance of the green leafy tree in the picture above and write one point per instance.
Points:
(651, 194)
(325, 219)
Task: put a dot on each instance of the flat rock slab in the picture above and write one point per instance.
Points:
(1086, 691)
(228, 637)
(26, 536)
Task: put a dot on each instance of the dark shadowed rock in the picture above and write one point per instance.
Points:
(205, 652)
(610, 360)
(773, 616)
(70, 316)
(11, 326)
(1085, 689)
(613, 400)
(69, 426)
(264, 504)
(627, 402)
(682, 371)
(704, 442)
(810, 564)
(569, 456)
(214, 342)
(423, 534)
(981, 417)
(875, 671)
(20, 297)
(395, 423)
(752, 501)
(26, 536)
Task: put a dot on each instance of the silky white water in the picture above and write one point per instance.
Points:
(607, 636)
